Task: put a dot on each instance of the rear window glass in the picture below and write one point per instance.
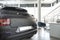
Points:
(14, 13)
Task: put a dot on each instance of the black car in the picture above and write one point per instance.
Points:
(16, 23)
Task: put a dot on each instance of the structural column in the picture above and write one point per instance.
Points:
(39, 10)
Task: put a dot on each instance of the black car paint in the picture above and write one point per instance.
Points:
(17, 20)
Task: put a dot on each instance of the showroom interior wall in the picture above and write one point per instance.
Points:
(55, 25)
(58, 0)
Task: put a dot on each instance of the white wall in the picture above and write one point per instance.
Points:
(58, 0)
(32, 11)
(55, 30)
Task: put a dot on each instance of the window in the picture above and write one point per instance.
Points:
(12, 5)
(52, 4)
(36, 5)
(45, 5)
(26, 5)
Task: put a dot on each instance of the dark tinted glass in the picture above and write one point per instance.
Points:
(45, 5)
(14, 13)
(26, 5)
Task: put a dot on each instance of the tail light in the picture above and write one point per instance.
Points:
(4, 22)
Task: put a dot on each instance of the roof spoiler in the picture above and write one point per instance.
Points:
(14, 9)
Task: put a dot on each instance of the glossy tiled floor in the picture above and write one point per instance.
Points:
(42, 35)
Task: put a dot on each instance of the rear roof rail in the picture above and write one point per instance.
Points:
(14, 9)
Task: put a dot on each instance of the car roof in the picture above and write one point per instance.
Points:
(14, 9)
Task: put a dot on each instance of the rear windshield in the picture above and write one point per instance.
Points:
(14, 13)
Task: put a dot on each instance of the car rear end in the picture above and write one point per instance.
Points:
(16, 25)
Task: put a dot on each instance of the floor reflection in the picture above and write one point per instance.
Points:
(41, 35)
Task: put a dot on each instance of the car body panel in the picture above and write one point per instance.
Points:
(17, 19)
